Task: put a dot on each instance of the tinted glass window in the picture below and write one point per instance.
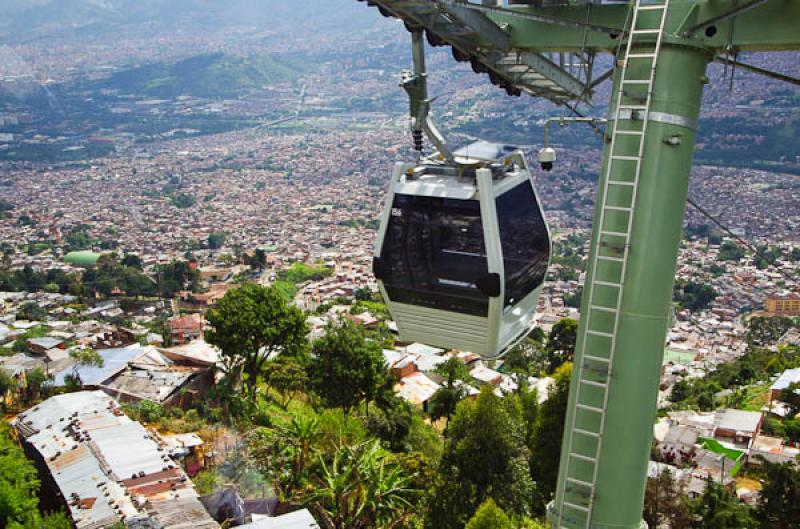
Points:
(434, 252)
(525, 242)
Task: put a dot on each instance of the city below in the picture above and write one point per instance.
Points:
(192, 333)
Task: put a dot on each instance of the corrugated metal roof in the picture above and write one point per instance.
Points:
(148, 384)
(417, 388)
(294, 520)
(79, 477)
(182, 513)
(129, 451)
(789, 377)
(93, 450)
(114, 361)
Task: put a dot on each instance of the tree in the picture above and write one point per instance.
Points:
(763, 331)
(132, 261)
(363, 294)
(7, 384)
(694, 296)
(283, 454)
(150, 411)
(455, 375)
(717, 508)
(251, 325)
(392, 421)
(286, 376)
(489, 516)
(19, 485)
(216, 240)
(485, 456)
(530, 357)
(348, 368)
(561, 342)
(665, 503)
(549, 431)
(58, 520)
(176, 276)
(183, 200)
(730, 251)
(37, 379)
(32, 311)
(85, 358)
(361, 488)
(780, 497)
(791, 396)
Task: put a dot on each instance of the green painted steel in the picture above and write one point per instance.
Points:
(689, 44)
(655, 239)
(771, 26)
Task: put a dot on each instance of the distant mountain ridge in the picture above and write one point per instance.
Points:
(22, 17)
(213, 75)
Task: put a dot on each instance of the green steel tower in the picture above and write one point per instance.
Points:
(547, 48)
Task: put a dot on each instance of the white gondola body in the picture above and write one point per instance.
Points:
(436, 300)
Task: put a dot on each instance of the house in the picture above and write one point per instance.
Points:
(484, 375)
(188, 450)
(197, 353)
(365, 319)
(787, 378)
(184, 329)
(773, 450)
(740, 427)
(417, 389)
(41, 345)
(714, 466)
(678, 445)
(301, 519)
(114, 361)
(103, 468)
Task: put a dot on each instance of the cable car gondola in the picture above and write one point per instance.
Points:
(463, 249)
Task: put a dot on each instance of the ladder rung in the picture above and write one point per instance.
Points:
(583, 457)
(597, 359)
(614, 233)
(618, 208)
(641, 56)
(603, 309)
(590, 408)
(593, 383)
(636, 81)
(625, 158)
(608, 284)
(621, 183)
(610, 258)
(599, 333)
(630, 132)
(654, 7)
(587, 433)
(576, 507)
(645, 31)
(581, 482)
(632, 107)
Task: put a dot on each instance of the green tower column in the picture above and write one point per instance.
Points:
(648, 283)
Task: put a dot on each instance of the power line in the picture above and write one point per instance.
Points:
(730, 232)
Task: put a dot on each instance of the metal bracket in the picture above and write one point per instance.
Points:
(416, 86)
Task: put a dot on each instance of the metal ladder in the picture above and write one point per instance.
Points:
(609, 266)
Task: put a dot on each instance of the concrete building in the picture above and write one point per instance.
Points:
(783, 305)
